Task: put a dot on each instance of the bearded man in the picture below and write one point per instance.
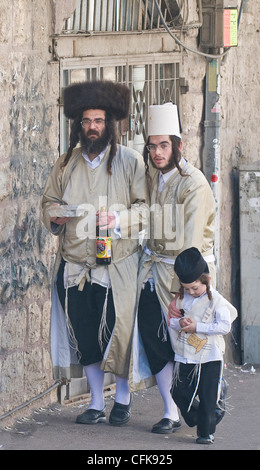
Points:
(182, 216)
(93, 306)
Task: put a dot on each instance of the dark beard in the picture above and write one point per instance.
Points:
(94, 146)
(168, 167)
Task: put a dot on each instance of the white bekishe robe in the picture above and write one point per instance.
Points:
(126, 192)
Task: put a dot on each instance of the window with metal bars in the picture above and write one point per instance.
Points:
(153, 82)
(119, 15)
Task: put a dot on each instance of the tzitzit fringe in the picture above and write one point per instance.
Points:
(104, 331)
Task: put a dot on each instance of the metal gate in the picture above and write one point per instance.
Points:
(250, 261)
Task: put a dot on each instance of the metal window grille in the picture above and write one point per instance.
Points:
(116, 15)
(151, 83)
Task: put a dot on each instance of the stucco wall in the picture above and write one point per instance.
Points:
(240, 141)
(29, 87)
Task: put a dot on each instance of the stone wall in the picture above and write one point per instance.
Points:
(29, 127)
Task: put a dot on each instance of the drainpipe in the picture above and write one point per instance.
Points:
(211, 151)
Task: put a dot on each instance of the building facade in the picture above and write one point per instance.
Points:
(163, 50)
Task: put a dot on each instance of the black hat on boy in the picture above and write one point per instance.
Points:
(189, 265)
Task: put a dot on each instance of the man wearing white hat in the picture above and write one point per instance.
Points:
(182, 216)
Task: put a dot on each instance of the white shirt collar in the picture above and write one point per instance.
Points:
(96, 162)
(166, 176)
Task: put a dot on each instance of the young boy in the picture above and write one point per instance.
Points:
(198, 343)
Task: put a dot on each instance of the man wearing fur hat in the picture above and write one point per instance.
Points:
(182, 215)
(92, 305)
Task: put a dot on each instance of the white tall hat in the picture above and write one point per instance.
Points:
(163, 120)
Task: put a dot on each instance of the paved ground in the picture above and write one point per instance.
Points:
(54, 428)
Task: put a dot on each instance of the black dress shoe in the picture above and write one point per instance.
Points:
(120, 414)
(92, 417)
(205, 440)
(166, 426)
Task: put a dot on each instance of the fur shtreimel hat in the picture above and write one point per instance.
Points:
(190, 265)
(106, 95)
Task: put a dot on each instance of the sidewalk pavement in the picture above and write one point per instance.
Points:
(54, 427)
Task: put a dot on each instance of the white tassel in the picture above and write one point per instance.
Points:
(164, 329)
(197, 370)
(176, 374)
(103, 328)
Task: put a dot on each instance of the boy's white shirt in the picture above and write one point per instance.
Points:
(220, 326)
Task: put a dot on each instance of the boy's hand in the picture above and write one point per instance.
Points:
(189, 326)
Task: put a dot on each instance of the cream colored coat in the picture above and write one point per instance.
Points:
(127, 193)
(193, 226)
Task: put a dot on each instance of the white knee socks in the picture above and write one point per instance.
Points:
(164, 382)
(122, 391)
(95, 377)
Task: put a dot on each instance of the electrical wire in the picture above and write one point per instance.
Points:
(211, 56)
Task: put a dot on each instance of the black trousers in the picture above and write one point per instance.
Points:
(202, 415)
(85, 311)
(158, 352)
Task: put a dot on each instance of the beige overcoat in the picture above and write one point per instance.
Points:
(126, 192)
